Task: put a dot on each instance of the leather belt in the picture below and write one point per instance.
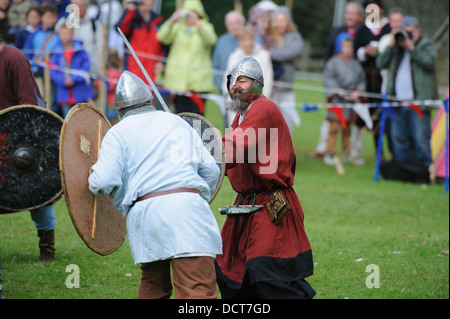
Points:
(172, 191)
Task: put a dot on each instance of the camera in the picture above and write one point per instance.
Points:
(402, 35)
(184, 14)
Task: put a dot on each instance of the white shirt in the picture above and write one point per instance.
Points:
(151, 152)
(403, 81)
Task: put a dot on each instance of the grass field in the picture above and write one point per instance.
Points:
(357, 228)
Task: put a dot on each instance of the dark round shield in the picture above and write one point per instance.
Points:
(98, 223)
(212, 139)
(29, 155)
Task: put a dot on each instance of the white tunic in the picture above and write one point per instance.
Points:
(152, 152)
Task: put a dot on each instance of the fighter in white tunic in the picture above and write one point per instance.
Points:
(158, 173)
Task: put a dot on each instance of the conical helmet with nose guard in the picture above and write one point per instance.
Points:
(131, 92)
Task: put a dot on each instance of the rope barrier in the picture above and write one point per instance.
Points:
(388, 101)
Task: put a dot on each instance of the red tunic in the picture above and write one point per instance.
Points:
(273, 168)
(17, 84)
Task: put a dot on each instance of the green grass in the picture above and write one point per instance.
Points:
(351, 221)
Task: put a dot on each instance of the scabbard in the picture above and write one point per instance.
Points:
(239, 210)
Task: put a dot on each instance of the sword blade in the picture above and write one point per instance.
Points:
(149, 80)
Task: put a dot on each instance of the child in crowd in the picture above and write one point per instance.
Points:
(33, 20)
(44, 39)
(38, 43)
(69, 72)
(113, 74)
(344, 82)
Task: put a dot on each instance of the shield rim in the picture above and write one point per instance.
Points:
(219, 138)
(6, 210)
(73, 110)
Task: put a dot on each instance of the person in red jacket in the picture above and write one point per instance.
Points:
(140, 25)
(266, 252)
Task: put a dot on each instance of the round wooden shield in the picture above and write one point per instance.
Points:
(29, 152)
(212, 139)
(98, 223)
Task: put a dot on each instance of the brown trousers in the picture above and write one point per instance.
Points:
(193, 278)
(332, 137)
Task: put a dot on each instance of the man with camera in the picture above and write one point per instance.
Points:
(411, 59)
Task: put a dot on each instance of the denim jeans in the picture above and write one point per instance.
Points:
(44, 218)
(411, 135)
(65, 109)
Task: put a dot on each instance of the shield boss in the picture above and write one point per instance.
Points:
(29, 151)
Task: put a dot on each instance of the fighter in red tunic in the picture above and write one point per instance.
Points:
(266, 254)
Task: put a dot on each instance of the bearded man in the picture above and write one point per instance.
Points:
(266, 252)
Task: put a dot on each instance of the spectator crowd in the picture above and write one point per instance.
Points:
(365, 59)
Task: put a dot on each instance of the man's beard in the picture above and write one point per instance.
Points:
(236, 105)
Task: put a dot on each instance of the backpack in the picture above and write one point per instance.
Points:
(411, 171)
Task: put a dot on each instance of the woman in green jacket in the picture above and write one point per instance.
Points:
(189, 66)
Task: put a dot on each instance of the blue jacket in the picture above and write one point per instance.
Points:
(82, 89)
(35, 41)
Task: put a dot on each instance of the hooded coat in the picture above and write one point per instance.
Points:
(142, 37)
(78, 60)
(189, 64)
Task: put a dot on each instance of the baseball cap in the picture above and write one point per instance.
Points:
(410, 21)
